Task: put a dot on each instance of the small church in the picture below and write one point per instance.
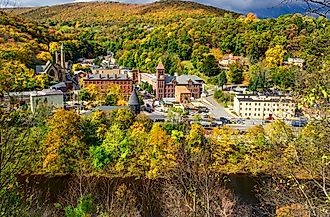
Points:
(56, 71)
(59, 72)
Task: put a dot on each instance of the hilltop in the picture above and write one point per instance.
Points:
(23, 40)
(110, 12)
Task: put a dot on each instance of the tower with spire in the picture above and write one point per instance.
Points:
(160, 74)
(134, 103)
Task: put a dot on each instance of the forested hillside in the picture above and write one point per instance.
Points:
(23, 44)
(109, 13)
(187, 35)
(23, 40)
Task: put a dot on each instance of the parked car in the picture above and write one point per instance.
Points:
(223, 120)
(299, 123)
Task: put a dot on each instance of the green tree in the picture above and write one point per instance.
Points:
(84, 208)
(235, 74)
(210, 66)
(221, 79)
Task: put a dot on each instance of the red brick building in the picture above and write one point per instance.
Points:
(103, 81)
(165, 85)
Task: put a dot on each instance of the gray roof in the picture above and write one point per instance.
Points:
(134, 99)
(109, 108)
(183, 79)
(106, 77)
(40, 68)
(58, 85)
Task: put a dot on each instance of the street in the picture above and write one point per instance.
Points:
(216, 109)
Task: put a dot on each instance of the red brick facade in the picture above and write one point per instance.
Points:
(165, 85)
(104, 81)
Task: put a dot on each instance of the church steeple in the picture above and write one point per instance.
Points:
(62, 57)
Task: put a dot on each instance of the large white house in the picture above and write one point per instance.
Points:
(33, 99)
(263, 107)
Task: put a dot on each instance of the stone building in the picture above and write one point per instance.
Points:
(165, 85)
(56, 71)
(60, 72)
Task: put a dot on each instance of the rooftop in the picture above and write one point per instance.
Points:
(184, 79)
(262, 98)
(134, 99)
(45, 92)
(107, 77)
(160, 66)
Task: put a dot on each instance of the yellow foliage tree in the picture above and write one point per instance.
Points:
(250, 17)
(94, 92)
(225, 148)
(275, 56)
(159, 153)
(63, 147)
(44, 56)
(195, 140)
(15, 76)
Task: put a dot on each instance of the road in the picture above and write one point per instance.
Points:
(216, 109)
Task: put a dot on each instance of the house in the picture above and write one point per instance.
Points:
(296, 62)
(264, 107)
(228, 60)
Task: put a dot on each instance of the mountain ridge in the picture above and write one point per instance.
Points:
(105, 11)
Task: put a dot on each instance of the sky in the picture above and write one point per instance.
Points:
(263, 8)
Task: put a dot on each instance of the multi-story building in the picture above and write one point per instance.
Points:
(103, 81)
(263, 107)
(165, 86)
(33, 99)
(132, 73)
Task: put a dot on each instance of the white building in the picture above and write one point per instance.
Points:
(33, 99)
(296, 62)
(229, 60)
(263, 107)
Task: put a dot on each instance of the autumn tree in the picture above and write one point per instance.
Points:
(159, 153)
(227, 150)
(63, 144)
(275, 56)
(114, 96)
(94, 93)
(235, 74)
(15, 76)
(221, 79)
